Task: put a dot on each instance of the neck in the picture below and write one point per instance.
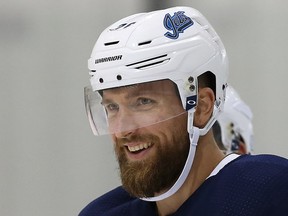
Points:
(207, 156)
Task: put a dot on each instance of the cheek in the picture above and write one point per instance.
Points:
(171, 130)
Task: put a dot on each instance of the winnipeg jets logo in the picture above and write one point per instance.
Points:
(176, 23)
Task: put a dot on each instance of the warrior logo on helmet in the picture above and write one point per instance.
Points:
(176, 23)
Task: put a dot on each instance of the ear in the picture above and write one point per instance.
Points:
(204, 107)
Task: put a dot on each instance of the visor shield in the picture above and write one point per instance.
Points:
(127, 108)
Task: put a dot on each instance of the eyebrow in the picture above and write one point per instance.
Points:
(128, 94)
(106, 101)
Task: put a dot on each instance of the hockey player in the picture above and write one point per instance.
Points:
(233, 130)
(158, 83)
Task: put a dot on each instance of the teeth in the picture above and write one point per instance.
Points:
(139, 147)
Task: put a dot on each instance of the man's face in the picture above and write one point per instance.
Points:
(150, 145)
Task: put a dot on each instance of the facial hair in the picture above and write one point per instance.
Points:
(158, 172)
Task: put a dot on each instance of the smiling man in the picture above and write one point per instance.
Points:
(147, 154)
(158, 83)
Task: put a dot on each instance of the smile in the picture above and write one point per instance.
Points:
(138, 147)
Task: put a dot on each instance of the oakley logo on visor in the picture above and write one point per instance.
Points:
(176, 23)
(191, 102)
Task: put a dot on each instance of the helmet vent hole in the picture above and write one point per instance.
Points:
(111, 43)
(144, 43)
(119, 77)
(101, 80)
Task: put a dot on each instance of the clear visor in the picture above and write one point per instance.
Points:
(128, 108)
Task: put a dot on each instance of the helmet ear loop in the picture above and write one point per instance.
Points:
(191, 129)
(194, 132)
(212, 119)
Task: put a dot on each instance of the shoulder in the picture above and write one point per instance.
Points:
(115, 202)
(264, 161)
(261, 179)
(265, 167)
(254, 170)
(249, 185)
(107, 202)
(265, 158)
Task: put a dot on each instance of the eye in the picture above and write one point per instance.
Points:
(144, 101)
(111, 107)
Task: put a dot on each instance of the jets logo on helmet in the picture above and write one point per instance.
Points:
(176, 23)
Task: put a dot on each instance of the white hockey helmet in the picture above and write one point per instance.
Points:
(236, 121)
(178, 44)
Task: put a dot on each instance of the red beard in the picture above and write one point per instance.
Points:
(158, 172)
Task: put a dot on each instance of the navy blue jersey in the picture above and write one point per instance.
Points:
(250, 185)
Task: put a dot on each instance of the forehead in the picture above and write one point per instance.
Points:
(155, 87)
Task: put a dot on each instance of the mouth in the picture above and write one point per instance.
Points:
(138, 151)
(137, 148)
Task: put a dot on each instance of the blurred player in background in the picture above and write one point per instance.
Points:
(233, 130)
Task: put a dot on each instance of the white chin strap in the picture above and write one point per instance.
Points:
(194, 134)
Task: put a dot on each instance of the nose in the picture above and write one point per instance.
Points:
(123, 124)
